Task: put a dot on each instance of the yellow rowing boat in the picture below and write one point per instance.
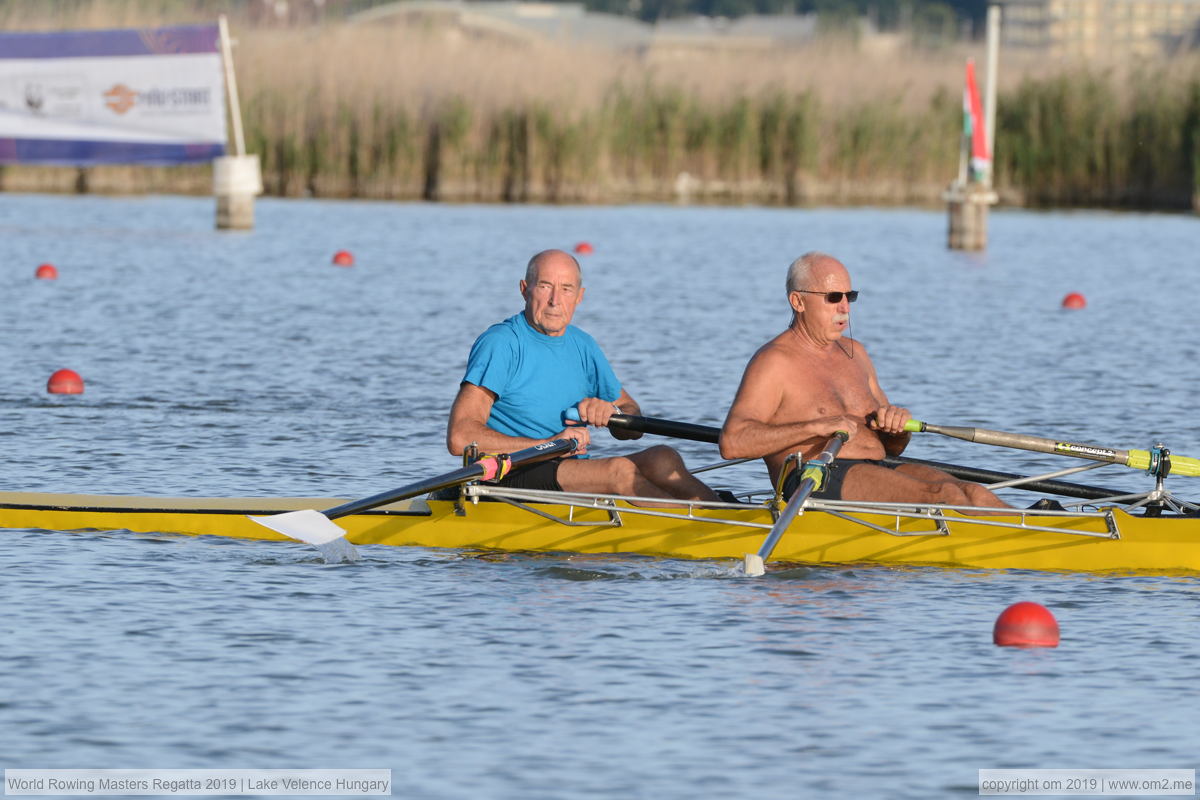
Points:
(1093, 537)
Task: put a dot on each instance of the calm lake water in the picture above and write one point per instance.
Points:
(245, 364)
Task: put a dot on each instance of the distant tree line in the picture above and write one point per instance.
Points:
(886, 14)
(940, 19)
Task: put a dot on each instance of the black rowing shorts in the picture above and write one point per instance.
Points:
(834, 478)
(542, 476)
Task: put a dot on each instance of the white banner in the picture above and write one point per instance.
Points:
(153, 96)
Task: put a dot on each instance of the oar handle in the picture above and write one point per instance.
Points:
(654, 425)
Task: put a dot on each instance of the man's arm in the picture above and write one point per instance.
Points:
(749, 430)
(468, 424)
(887, 420)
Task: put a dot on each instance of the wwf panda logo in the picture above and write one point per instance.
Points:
(35, 97)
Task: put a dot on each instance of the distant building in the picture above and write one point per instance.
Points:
(1102, 28)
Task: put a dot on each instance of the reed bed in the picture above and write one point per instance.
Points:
(428, 111)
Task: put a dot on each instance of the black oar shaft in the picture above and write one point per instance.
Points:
(665, 427)
(1064, 488)
(529, 455)
(708, 433)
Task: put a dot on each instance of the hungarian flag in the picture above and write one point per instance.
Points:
(973, 127)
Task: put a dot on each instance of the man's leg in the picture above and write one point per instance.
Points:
(664, 467)
(914, 483)
(658, 472)
(976, 494)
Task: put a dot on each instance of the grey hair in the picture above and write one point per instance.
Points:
(531, 269)
(800, 271)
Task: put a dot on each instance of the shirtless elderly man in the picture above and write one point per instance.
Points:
(524, 372)
(811, 381)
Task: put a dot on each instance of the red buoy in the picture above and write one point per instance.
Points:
(1026, 625)
(583, 249)
(46, 272)
(1074, 301)
(65, 381)
(343, 258)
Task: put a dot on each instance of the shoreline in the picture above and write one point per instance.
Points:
(196, 181)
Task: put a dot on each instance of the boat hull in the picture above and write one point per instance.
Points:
(1166, 544)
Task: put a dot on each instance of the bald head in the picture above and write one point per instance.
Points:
(548, 258)
(808, 270)
(552, 288)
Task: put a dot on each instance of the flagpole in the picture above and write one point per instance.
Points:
(993, 58)
(964, 149)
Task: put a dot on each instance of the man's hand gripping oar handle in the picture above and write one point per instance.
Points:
(813, 477)
(1158, 462)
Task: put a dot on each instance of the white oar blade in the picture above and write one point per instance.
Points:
(313, 527)
(754, 566)
(307, 525)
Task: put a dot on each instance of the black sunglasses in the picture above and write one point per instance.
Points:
(834, 297)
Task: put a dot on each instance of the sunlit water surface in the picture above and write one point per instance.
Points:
(244, 364)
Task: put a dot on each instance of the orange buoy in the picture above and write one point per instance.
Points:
(583, 249)
(343, 258)
(65, 381)
(1074, 301)
(46, 272)
(1026, 625)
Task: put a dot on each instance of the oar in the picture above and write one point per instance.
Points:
(317, 528)
(708, 433)
(1137, 459)
(660, 427)
(811, 478)
(1044, 486)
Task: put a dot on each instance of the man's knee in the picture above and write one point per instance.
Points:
(948, 493)
(623, 474)
(981, 495)
(659, 459)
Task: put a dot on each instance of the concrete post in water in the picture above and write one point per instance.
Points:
(237, 179)
(968, 210)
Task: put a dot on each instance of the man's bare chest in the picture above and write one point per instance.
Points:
(825, 389)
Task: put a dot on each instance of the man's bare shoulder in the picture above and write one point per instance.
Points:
(774, 353)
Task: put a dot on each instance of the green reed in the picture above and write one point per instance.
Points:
(1070, 139)
(1096, 139)
(767, 147)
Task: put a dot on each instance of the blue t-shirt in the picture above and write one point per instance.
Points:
(537, 377)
